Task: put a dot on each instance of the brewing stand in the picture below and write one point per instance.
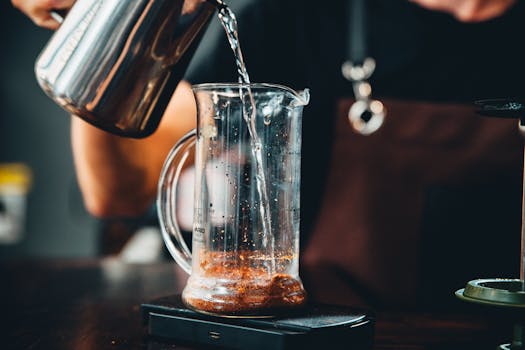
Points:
(505, 296)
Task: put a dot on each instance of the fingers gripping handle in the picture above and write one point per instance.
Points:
(167, 201)
(58, 15)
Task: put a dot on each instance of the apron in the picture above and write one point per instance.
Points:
(415, 210)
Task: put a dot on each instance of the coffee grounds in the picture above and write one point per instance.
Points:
(250, 288)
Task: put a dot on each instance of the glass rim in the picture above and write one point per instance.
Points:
(301, 95)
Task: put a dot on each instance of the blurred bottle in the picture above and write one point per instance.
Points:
(15, 182)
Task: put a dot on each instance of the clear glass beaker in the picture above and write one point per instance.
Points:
(244, 258)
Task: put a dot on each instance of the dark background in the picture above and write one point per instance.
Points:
(34, 131)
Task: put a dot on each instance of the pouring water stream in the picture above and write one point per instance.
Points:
(229, 23)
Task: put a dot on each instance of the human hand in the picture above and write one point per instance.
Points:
(468, 10)
(39, 11)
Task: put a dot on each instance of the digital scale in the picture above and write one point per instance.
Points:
(313, 326)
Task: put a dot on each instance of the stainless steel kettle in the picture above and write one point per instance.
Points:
(116, 63)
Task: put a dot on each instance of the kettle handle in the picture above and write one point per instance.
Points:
(167, 201)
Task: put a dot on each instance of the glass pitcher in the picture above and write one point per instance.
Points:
(245, 244)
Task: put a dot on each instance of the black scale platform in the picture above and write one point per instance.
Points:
(316, 326)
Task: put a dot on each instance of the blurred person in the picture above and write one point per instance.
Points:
(405, 215)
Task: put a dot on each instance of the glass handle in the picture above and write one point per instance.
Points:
(167, 200)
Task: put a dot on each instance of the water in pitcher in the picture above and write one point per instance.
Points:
(229, 22)
(262, 277)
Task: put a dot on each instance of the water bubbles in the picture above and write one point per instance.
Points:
(209, 132)
(229, 23)
(224, 106)
(267, 112)
(215, 97)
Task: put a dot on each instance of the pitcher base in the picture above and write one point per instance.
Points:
(247, 298)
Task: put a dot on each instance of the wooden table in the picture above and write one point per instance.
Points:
(95, 304)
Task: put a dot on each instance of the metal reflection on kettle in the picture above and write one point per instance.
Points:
(116, 64)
